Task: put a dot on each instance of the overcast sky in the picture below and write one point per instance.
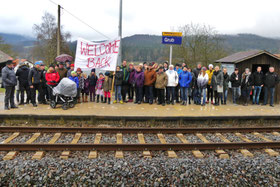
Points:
(145, 16)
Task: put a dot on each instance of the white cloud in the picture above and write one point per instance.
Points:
(145, 16)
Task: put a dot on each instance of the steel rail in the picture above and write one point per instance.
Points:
(6, 129)
(137, 147)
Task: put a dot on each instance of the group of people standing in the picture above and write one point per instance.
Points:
(148, 83)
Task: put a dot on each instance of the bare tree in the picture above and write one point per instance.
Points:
(200, 43)
(45, 46)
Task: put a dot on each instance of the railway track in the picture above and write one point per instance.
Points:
(169, 140)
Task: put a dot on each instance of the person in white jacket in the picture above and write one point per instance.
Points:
(173, 79)
(202, 82)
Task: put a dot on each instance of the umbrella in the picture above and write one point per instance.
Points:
(64, 58)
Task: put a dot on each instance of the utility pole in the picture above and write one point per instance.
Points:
(120, 35)
(58, 31)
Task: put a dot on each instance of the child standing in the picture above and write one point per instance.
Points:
(99, 87)
(92, 83)
(81, 83)
(85, 90)
(107, 86)
(74, 78)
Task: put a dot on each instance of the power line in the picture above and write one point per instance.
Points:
(81, 20)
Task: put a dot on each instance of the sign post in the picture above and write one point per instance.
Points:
(171, 38)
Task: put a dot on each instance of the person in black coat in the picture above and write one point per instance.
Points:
(9, 81)
(235, 80)
(196, 95)
(246, 86)
(35, 78)
(22, 74)
(257, 84)
(271, 79)
(92, 83)
(118, 84)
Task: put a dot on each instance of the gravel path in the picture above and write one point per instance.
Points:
(130, 138)
(65, 138)
(21, 138)
(108, 138)
(87, 138)
(151, 138)
(4, 136)
(192, 138)
(261, 170)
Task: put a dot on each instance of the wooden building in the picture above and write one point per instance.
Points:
(252, 59)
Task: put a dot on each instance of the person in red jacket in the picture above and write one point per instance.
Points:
(52, 78)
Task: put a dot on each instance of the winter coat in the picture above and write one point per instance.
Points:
(185, 78)
(81, 81)
(75, 79)
(22, 74)
(8, 77)
(226, 81)
(86, 86)
(107, 85)
(202, 81)
(69, 73)
(271, 80)
(161, 81)
(44, 81)
(193, 83)
(35, 76)
(234, 82)
(125, 74)
(99, 83)
(246, 81)
(139, 78)
(172, 78)
(210, 74)
(196, 71)
(179, 70)
(62, 73)
(131, 79)
(92, 80)
(52, 78)
(258, 78)
(150, 77)
(217, 80)
(118, 78)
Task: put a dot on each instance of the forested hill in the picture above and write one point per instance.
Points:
(149, 47)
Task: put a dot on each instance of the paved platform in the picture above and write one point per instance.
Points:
(146, 110)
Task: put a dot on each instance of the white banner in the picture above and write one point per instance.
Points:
(102, 56)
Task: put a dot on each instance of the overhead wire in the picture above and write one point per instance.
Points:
(80, 20)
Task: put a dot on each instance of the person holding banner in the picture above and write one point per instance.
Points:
(118, 84)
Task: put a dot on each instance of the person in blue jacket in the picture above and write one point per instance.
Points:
(185, 79)
(177, 88)
(74, 78)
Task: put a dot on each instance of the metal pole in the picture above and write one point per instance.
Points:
(120, 35)
(58, 31)
(170, 57)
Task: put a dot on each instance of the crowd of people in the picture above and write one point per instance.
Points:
(143, 83)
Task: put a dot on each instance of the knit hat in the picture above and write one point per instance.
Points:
(51, 66)
(107, 73)
(204, 68)
(42, 64)
(72, 65)
(61, 63)
(100, 74)
(79, 69)
(9, 62)
(93, 70)
(161, 67)
(171, 66)
(73, 72)
(210, 65)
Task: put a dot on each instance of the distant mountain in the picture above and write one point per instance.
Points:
(143, 47)
(15, 39)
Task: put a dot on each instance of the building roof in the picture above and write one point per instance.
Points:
(244, 55)
(4, 57)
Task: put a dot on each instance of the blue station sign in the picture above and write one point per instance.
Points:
(174, 40)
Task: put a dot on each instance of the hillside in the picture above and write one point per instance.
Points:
(149, 47)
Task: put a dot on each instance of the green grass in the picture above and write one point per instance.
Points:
(2, 90)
